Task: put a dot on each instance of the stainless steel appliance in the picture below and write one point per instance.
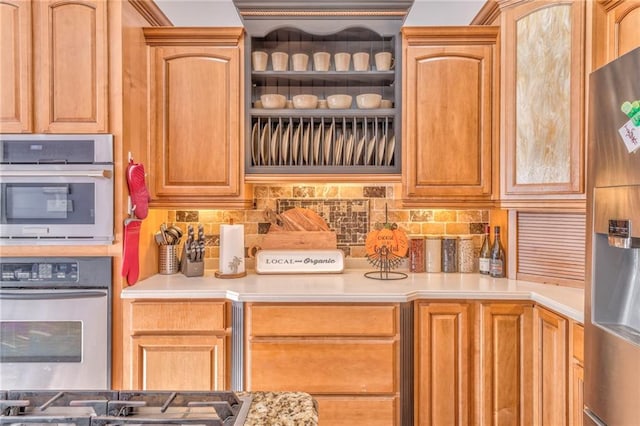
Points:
(56, 188)
(97, 408)
(612, 314)
(55, 323)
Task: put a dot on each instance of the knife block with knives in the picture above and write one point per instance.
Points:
(192, 261)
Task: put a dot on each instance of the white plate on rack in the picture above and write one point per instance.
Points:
(306, 140)
(284, 144)
(337, 149)
(391, 145)
(371, 147)
(264, 145)
(348, 154)
(328, 138)
(275, 142)
(295, 143)
(316, 143)
(382, 144)
(255, 144)
(359, 149)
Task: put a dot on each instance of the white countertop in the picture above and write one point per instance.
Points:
(353, 286)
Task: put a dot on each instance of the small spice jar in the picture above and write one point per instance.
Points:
(466, 261)
(416, 253)
(449, 253)
(433, 254)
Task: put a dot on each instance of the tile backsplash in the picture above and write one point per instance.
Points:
(349, 218)
(350, 210)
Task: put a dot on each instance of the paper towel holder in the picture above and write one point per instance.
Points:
(219, 274)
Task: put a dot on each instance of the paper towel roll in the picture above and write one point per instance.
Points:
(231, 249)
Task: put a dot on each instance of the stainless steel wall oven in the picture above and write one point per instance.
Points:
(55, 323)
(56, 188)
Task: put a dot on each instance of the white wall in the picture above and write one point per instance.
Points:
(443, 12)
(220, 13)
(201, 13)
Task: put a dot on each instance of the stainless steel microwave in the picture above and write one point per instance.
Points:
(56, 189)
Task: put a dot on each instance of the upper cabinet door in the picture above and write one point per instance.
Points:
(15, 67)
(196, 108)
(449, 114)
(70, 57)
(623, 27)
(543, 99)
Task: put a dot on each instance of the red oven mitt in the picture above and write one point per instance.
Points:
(138, 189)
(130, 262)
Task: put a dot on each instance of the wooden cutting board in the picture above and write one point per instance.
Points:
(295, 219)
(298, 240)
(296, 229)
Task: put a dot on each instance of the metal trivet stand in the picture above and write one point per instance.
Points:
(385, 261)
(383, 256)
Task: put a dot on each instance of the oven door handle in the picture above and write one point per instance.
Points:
(61, 173)
(52, 295)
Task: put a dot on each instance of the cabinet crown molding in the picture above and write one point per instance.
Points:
(151, 12)
(452, 34)
(488, 14)
(192, 36)
(322, 7)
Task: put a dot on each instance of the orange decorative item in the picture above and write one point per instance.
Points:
(385, 247)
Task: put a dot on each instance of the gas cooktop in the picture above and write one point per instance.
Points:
(91, 408)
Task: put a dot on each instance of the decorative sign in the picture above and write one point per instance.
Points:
(391, 240)
(631, 136)
(299, 261)
(386, 246)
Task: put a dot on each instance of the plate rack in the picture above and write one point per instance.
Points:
(324, 141)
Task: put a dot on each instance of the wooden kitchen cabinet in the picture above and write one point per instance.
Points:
(542, 104)
(473, 362)
(444, 360)
(576, 374)
(614, 29)
(54, 66)
(345, 355)
(177, 362)
(506, 363)
(450, 119)
(550, 368)
(196, 94)
(175, 345)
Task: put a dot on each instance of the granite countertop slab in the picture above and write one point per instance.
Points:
(281, 409)
(352, 286)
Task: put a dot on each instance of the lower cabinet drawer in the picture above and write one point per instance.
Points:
(322, 366)
(356, 410)
(177, 316)
(347, 320)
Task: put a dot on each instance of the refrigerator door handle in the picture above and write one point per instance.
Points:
(590, 419)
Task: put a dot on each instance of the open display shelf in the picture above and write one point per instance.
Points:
(322, 140)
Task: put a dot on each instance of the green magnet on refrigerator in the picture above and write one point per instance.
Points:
(632, 110)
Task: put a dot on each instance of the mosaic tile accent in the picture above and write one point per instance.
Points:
(187, 216)
(477, 228)
(348, 217)
(304, 192)
(212, 240)
(374, 192)
(263, 227)
(421, 215)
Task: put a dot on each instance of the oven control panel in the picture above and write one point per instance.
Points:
(60, 272)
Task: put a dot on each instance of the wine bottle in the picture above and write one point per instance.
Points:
(496, 262)
(485, 252)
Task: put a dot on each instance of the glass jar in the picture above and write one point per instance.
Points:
(416, 253)
(466, 258)
(449, 254)
(433, 255)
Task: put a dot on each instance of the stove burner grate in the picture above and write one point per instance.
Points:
(101, 408)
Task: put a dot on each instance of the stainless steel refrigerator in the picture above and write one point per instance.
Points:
(612, 308)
